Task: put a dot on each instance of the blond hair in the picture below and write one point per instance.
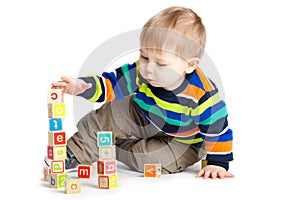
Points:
(175, 29)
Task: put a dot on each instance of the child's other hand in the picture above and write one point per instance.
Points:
(212, 171)
(71, 85)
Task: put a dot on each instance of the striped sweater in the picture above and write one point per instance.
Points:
(192, 114)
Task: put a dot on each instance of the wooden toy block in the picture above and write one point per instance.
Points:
(57, 180)
(55, 96)
(106, 167)
(57, 138)
(107, 181)
(57, 166)
(84, 171)
(106, 153)
(57, 152)
(104, 138)
(56, 110)
(46, 172)
(203, 163)
(73, 186)
(152, 170)
(55, 124)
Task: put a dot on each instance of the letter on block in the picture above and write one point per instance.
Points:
(56, 110)
(106, 153)
(106, 167)
(152, 170)
(46, 172)
(57, 152)
(104, 138)
(73, 186)
(56, 138)
(55, 96)
(57, 180)
(84, 171)
(108, 181)
(55, 124)
(57, 166)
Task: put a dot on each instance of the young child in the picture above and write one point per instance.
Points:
(160, 109)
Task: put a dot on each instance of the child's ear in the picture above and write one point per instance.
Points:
(192, 65)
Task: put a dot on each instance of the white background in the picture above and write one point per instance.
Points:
(254, 45)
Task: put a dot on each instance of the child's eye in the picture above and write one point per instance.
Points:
(161, 65)
(144, 58)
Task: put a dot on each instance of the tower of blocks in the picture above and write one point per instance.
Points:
(56, 149)
(106, 165)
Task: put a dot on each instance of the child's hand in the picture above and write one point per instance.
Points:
(71, 85)
(212, 171)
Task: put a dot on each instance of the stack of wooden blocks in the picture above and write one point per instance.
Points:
(106, 165)
(56, 149)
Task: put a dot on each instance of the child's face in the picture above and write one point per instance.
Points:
(162, 69)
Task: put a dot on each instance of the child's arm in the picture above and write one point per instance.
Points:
(217, 136)
(107, 87)
(71, 85)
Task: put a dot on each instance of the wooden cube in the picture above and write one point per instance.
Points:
(107, 167)
(57, 180)
(55, 124)
(104, 138)
(57, 152)
(106, 153)
(84, 171)
(56, 110)
(55, 96)
(46, 172)
(107, 181)
(73, 186)
(57, 138)
(152, 170)
(57, 166)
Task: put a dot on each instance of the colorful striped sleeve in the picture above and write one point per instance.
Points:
(111, 85)
(211, 115)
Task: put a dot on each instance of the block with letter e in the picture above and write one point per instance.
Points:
(56, 138)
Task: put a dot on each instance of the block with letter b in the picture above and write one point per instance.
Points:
(55, 124)
(107, 181)
(56, 110)
(57, 180)
(55, 96)
(57, 138)
(106, 167)
(104, 138)
(152, 170)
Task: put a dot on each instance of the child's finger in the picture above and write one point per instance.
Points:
(200, 173)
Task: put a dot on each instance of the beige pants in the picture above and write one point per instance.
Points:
(142, 143)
